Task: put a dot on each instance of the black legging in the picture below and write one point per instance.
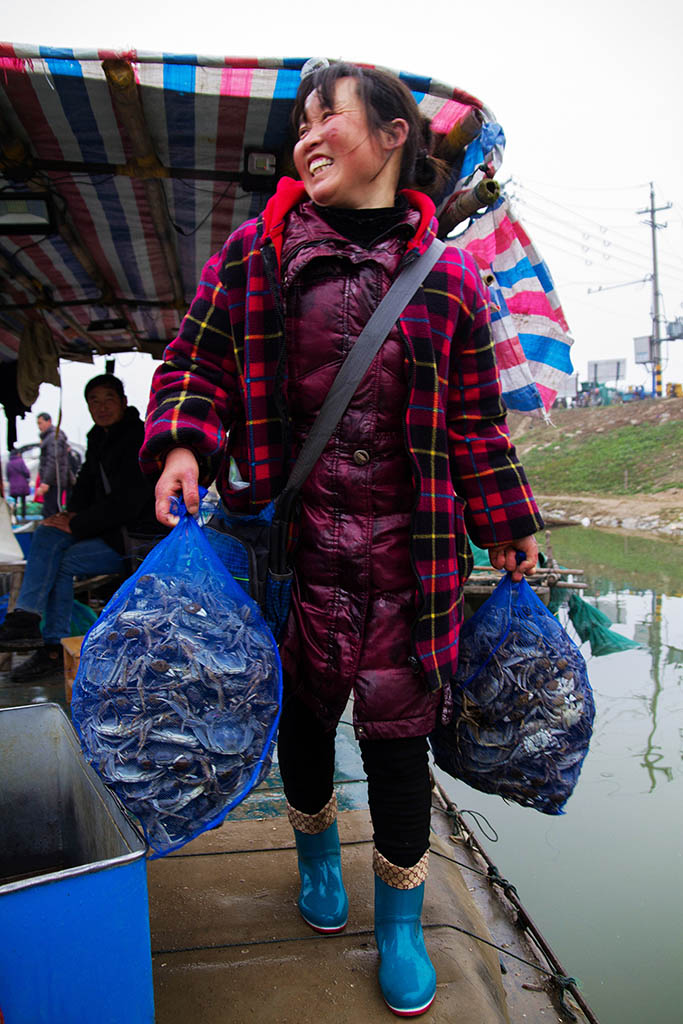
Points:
(399, 791)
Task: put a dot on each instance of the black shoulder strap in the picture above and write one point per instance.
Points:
(354, 367)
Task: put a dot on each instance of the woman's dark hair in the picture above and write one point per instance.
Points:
(384, 97)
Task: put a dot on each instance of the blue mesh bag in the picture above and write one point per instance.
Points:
(178, 692)
(522, 704)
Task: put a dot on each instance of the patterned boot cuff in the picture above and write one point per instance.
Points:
(312, 824)
(400, 878)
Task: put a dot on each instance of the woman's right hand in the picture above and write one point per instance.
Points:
(180, 476)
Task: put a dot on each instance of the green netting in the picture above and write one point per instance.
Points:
(593, 626)
(481, 555)
(556, 600)
(82, 618)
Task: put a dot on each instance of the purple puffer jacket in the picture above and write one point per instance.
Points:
(18, 476)
(355, 594)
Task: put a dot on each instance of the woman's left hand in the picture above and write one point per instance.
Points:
(504, 556)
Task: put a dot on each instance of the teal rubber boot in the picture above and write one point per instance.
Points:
(322, 900)
(406, 974)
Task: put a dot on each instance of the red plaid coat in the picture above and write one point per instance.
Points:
(221, 391)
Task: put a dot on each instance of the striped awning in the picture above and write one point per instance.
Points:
(148, 161)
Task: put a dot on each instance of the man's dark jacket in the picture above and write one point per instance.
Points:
(54, 457)
(130, 501)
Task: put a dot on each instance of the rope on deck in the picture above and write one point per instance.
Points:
(563, 982)
(255, 849)
(560, 978)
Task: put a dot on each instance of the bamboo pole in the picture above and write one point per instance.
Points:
(460, 136)
(465, 204)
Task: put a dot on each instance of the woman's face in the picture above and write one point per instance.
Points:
(339, 160)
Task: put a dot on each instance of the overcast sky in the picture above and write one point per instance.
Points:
(589, 95)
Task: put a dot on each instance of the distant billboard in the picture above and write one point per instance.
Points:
(604, 370)
(642, 349)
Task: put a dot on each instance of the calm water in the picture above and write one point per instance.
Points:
(605, 881)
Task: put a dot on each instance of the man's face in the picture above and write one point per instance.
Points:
(106, 406)
(43, 424)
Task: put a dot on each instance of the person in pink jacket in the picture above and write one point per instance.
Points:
(19, 481)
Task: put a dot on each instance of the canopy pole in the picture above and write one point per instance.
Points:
(121, 79)
(466, 203)
(461, 134)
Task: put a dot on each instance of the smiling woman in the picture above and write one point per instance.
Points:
(360, 137)
(381, 556)
(339, 159)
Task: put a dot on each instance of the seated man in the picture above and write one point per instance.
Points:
(110, 497)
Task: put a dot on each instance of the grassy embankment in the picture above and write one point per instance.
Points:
(603, 451)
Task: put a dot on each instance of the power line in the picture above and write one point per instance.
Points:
(604, 229)
(585, 235)
(567, 209)
(590, 188)
(588, 249)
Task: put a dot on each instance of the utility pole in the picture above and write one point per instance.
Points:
(656, 337)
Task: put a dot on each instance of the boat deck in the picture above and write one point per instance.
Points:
(226, 932)
(228, 942)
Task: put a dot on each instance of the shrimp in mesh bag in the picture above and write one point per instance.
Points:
(178, 692)
(523, 710)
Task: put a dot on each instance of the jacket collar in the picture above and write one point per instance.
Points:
(290, 193)
(426, 228)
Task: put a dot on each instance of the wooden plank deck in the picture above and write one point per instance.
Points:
(226, 933)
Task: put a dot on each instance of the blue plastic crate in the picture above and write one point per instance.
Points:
(74, 916)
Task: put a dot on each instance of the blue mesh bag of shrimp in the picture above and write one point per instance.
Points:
(178, 692)
(522, 706)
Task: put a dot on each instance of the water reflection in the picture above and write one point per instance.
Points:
(674, 656)
(613, 910)
(637, 756)
(648, 616)
(653, 751)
